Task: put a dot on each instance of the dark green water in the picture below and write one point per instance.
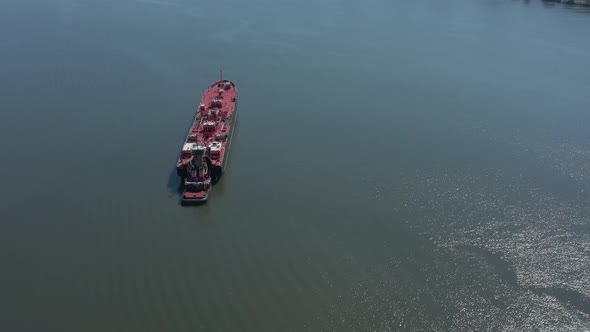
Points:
(415, 165)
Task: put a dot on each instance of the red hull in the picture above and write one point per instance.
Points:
(206, 149)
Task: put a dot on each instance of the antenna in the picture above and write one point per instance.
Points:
(221, 73)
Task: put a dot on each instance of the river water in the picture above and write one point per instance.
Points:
(397, 165)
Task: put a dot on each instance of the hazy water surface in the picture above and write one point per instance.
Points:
(397, 165)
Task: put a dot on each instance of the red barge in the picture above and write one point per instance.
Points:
(205, 152)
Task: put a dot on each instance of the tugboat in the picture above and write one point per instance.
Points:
(205, 152)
